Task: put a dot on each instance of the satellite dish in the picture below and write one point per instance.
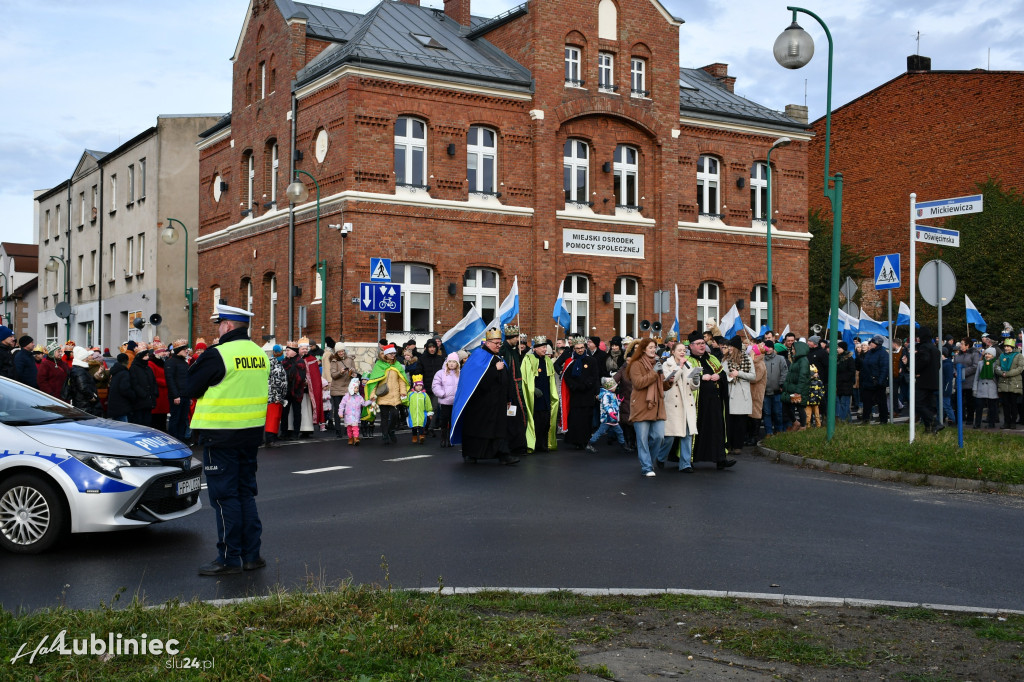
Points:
(155, 319)
(63, 310)
(138, 323)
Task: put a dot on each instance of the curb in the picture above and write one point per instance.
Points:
(969, 484)
(780, 599)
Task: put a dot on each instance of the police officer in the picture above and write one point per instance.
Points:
(229, 383)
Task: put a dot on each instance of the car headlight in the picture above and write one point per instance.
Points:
(110, 465)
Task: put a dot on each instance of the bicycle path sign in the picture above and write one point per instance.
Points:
(379, 297)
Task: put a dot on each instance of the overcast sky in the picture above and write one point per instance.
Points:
(90, 75)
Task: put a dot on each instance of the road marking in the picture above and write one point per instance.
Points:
(402, 459)
(318, 471)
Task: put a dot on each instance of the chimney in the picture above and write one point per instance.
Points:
(412, 2)
(797, 112)
(721, 72)
(457, 10)
(916, 62)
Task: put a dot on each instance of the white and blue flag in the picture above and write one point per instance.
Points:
(561, 313)
(731, 323)
(465, 332)
(869, 327)
(508, 309)
(973, 316)
(675, 325)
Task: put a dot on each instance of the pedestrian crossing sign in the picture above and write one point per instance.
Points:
(887, 271)
(380, 269)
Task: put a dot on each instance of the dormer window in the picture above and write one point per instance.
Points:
(428, 41)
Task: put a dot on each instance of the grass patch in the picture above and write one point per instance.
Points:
(986, 455)
(790, 646)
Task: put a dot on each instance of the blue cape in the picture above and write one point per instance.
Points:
(469, 379)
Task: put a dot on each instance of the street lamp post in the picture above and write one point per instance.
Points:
(169, 235)
(52, 266)
(298, 193)
(7, 315)
(781, 142)
(794, 49)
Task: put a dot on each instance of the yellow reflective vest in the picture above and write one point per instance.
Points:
(239, 401)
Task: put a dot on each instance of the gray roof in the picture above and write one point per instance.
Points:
(386, 37)
(98, 155)
(702, 95)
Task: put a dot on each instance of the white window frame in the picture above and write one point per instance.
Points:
(131, 184)
(606, 72)
(275, 163)
(475, 292)
(708, 180)
(623, 171)
(708, 305)
(95, 202)
(407, 145)
(88, 331)
(622, 301)
(113, 192)
(95, 262)
(477, 153)
(263, 80)
(81, 206)
(50, 332)
(758, 306)
(273, 305)
(81, 271)
(142, 179)
(401, 275)
(573, 163)
(248, 296)
(758, 190)
(142, 252)
(129, 255)
(250, 185)
(572, 67)
(113, 261)
(638, 77)
(48, 227)
(577, 302)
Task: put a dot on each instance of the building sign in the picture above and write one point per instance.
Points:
(591, 243)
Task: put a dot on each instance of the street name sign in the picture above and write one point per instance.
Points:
(377, 297)
(944, 208)
(936, 235)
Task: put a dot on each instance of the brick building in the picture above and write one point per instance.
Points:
(936, 133)
(441, 138)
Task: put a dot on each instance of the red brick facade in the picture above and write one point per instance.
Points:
(358, 112)
(935, 133)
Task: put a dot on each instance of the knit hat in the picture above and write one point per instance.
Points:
(277, 350)
(609, 383)
(81, 356)
(24, 341)
(353, 386)
(991, 351)
(131, 345)
(736, 342)
(842, 345)
(452, 356)
(5, 333)
(780, 348)
(877, 339)
(338, 347)
(814, 339)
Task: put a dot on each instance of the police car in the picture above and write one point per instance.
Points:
(63, 470)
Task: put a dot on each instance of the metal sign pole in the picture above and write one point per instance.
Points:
(938, 298)
(913, 313)
(891, 356)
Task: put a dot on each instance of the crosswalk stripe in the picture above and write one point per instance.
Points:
(402, 459)
(318, 471)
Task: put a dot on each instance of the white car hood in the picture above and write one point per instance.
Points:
(108, 437)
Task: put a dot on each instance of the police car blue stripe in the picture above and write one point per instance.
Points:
(86, 478)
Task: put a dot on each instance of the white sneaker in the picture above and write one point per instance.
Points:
(650, 474)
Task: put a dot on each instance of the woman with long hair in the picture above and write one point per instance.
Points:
(647, 404)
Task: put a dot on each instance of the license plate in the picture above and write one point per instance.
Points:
(189, 486)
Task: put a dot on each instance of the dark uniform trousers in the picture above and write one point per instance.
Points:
(231, 485)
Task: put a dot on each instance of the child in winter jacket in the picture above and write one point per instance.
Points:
(609, 415)
(444, 385)
(812, 408)
(420, 410)
(350, 410)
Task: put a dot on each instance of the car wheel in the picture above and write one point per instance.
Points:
(32, 517)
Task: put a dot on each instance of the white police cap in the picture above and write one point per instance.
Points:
(227, 312)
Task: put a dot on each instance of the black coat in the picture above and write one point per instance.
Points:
(846, 374)
(6, 362)
(81, 390)
(432, 364)
(25, 369)
(926, 364)
(819, 358)
(176, 376)
(120, 396)
(143, 384)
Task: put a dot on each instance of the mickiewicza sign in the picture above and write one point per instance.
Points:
(592, 243)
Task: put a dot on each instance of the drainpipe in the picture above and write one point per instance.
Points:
(291, 228)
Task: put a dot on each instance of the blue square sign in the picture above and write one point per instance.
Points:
(887, 271)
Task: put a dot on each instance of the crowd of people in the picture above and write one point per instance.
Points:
(697, 400)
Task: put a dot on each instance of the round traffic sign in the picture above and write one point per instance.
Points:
(937, 283)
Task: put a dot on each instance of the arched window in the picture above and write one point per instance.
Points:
(417, 298)
(275, 164)
(480, 288)
(607, 20)
(271, 326)
(606, 72)
(758, 190)
(481, 160)
(626, 303)
(576, 171)
(410, 152)
(627, 173)
(708, 180)
(245, 293)
(576, 296)
(249, 169)
(573, 77)
(638, 77)
(707, 302)
(758, 307)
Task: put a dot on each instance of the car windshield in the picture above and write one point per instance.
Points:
(24, 406)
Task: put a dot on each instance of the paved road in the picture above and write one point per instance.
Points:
(560, 520)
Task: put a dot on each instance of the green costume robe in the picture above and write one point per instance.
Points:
(530, 371)
(380, 369)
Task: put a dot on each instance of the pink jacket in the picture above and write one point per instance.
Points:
(445, 382)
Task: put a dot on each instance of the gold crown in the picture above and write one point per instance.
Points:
(511, 330)
(492, 334)
(577, 340)
(417, 378)
(304, 341)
